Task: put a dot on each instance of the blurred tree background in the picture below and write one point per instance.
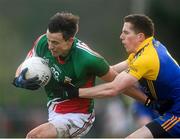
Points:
(22, 21)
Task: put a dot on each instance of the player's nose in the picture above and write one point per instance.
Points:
(121, 36)
(51, 47)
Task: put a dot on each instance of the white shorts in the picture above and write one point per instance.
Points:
(71, 124)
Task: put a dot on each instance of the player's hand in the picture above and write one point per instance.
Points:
(65, 91)
(70, 91)
(160, 106)
(31, 83)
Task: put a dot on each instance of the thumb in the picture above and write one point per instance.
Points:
(23, 73)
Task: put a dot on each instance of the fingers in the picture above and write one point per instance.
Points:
(33, 87)
(14, 82)
(24, 70)
(23, 73)
(33, 79)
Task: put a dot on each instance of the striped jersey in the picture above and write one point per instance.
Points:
(79, 67)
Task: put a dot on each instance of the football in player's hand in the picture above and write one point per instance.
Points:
(37, 66)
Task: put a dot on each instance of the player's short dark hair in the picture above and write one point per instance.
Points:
(65, 23)
(141, 24)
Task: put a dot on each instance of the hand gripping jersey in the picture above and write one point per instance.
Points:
(158, 72)
(79, 67)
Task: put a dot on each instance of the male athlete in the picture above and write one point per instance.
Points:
(71, 62)
(150, 63)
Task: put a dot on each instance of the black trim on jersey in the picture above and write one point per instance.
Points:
(157, 131)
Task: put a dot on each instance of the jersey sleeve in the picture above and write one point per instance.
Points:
(37, 49)
(142, 66)
(98, 65)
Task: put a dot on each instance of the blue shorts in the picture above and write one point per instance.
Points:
(170, 123)
(140, 111)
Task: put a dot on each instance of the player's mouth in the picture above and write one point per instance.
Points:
(123, 42)
(53, 52)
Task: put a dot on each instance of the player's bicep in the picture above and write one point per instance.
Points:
(120, 66)
(109, 76)
(98, 66)
(124, 81)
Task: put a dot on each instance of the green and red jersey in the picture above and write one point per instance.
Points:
(79, 67)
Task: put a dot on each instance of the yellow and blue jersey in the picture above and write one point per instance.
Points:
(159, 76)
(157, 71)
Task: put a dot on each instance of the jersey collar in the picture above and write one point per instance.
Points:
(71, 50)
(144, 43)
(63, 60)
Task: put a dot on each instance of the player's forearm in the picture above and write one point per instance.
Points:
(118, 85)
(136, 94)
(100, 91)
(103, 90)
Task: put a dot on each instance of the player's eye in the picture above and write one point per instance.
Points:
(55, 43)
(126, 32)
(52, 42)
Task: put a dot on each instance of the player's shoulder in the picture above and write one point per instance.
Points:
(40, 45)
(145, 55)
(41, 39)
(84, 50)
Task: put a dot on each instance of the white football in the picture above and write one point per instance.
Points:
(37, 66)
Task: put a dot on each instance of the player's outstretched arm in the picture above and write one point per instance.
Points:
(124, 84)
(118, 85)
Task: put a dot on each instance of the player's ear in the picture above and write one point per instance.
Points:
(71, 39)
(141, 37)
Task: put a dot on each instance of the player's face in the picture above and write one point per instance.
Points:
(57, 44)
(129, 38)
